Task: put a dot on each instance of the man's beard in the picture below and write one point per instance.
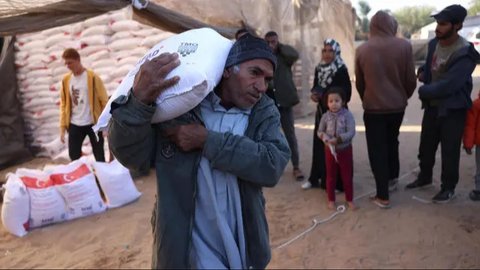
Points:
(446, 35)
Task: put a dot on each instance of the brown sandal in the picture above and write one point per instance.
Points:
(380, 203)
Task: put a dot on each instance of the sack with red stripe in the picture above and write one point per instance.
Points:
(46, 204)
(76, 182)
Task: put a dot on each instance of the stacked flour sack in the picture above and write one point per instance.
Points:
(38, 70)
(110, 44)
(129, 43)
(37, 198)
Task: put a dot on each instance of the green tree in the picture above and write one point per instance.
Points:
(474, 8)
(361, 31)
(411, 19)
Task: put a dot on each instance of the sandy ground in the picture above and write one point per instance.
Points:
(411, 234)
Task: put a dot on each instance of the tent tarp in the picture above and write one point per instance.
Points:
(32, 17)
(12, 146)
(37, 18)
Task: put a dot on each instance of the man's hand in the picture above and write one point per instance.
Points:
(468, 150)
(62, 136)
(188, 137)
(150, 80)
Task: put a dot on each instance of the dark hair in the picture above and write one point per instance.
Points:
(240, 32)
(335, 90)
(271, 34)
(71, 53)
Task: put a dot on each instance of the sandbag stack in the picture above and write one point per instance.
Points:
(110, 44)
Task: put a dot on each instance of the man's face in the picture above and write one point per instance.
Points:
(272, 42)
(72, 64)
(444, 29)
(246, 83)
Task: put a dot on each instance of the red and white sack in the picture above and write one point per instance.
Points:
(202, 53)
(46, 204)
(16, 206)
(116, 183)
(76, 183)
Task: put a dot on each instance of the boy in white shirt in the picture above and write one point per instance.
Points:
(82, 99)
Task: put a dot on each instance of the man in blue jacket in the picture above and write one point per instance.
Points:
(211, 163)
(445, 95)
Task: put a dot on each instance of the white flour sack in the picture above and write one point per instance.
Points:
(202, 52)
(46, 204)
(16, 206)
(76, 183)
(116, 183)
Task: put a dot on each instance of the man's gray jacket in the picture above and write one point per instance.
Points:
(257, 159)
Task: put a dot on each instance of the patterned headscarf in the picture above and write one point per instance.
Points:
(326, 71)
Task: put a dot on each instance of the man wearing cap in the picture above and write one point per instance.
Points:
(445, 95)
(211, 162)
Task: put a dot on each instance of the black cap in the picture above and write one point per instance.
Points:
(453, 14)
(248, 47)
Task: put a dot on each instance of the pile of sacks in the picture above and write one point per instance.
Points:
(36, 198)
(110, 44)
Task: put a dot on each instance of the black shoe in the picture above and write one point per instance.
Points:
(417, 184)
(474, 195)
(444, 196)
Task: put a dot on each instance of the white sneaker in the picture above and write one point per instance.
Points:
(307, 185)
(392, 185)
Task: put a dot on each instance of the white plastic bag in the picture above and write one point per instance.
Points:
(116, 183)
(202, 52)
(76, 183)
(16, 206)
(55, 147)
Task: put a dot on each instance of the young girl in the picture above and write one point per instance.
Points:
(336, 130)
(330, 72)
(471, 137)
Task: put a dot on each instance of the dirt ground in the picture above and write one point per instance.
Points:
(412, 234)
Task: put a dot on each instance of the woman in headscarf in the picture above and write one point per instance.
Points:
(331, 71)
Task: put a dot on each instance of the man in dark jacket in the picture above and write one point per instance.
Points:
(284, 93)
(445, 95)
(211, 163)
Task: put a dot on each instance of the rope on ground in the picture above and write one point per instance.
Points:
(421, 199)
(340, 209)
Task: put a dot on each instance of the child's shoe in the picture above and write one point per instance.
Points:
(474, 195)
